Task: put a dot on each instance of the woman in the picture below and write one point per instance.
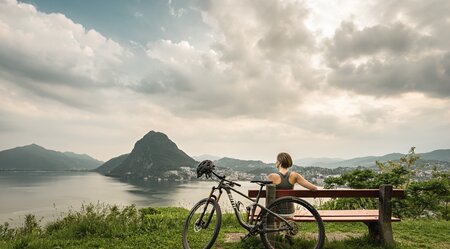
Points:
(285, 179)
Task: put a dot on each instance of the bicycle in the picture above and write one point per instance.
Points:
(275, 224)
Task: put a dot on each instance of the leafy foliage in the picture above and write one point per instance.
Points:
(428, 198)
(161, 228)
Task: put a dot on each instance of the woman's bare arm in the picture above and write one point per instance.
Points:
(273, 177)
(303, 182)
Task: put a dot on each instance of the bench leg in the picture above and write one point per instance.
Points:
(374, 232)
(381, 232)
(384, 217)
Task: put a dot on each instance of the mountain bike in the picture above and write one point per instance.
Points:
(275, 224)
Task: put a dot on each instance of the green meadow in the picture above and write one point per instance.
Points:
(103, 226)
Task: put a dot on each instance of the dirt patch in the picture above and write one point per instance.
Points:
(335, 236)
(233, 237)
(342, 236)
(236, 237)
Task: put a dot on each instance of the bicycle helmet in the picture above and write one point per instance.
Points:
(205, 168)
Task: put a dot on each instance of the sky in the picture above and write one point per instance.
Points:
(243, 79)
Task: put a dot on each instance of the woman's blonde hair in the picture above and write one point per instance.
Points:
(284, 159)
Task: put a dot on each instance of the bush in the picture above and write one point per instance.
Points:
(428, 198)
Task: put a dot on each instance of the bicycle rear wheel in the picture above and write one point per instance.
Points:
(301, 226)
(202, 225)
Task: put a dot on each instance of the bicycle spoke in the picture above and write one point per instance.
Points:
(293, 224)
(202, 225)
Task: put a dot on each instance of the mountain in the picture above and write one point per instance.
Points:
(437, 155)
(153, 155)
(35, 157)
(85, 160)
(331, 163)
(361, 161)
(249, 166)
(206, 157)
(111, 164)
(309, 161)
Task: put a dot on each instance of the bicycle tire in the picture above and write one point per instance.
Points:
(213, 216)
(307, 231)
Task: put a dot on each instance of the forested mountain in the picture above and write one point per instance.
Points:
(437, 155)
(153, 155)
(206, 157)
(308, 161)
(34, 157)
(111, 164)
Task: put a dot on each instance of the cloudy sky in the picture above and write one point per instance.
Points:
(245, 79)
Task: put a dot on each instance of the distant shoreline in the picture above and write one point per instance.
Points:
(24, 170)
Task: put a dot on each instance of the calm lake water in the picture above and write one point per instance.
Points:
(50, 195)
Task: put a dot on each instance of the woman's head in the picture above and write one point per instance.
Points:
(284, 160)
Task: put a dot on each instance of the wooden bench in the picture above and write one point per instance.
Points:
(378, 220)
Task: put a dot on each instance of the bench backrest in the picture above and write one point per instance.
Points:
(332, 193)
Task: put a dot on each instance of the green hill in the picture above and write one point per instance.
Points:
(34, 157)
(437, 155)
(111, 164)
(152, 155)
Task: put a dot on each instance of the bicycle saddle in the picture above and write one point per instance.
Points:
(262, 182)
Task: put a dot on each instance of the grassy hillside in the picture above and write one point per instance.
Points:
(111, 227)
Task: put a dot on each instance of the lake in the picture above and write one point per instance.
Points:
(49, 195)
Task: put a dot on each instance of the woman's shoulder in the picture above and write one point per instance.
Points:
(295, 174)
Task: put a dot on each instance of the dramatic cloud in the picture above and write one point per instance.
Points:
(50, 55)
(233, 78)
(256, 64)
(408, 51)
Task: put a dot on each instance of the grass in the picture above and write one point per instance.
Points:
(108, 227)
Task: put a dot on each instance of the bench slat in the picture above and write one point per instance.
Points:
(348, 213)
(343, 219)
(339, 216)
(399, 193)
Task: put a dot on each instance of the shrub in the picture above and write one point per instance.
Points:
(423, 199)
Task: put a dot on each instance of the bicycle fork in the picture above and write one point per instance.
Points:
(200, 222)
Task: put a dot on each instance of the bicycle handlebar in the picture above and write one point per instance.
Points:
(225, 180)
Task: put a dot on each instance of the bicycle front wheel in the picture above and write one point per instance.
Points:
(292, 223)
(202, 225)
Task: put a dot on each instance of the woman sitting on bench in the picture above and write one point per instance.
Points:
(285, 179)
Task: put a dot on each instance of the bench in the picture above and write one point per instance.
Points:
(378, 220)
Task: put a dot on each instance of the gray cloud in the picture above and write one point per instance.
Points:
(420, 13)
(54, 58)
(407, 51)
(164, 82)
(285, 35)
(257, 64)
(249, 81)
(394, 40)
(429, 75)
(19, 65)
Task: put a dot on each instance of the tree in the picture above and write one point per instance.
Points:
(428, 198)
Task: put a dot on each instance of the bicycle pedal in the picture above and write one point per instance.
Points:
(246, 236)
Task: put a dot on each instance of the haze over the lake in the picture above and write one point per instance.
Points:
(244, 79)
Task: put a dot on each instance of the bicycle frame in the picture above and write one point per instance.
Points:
(248, 226)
